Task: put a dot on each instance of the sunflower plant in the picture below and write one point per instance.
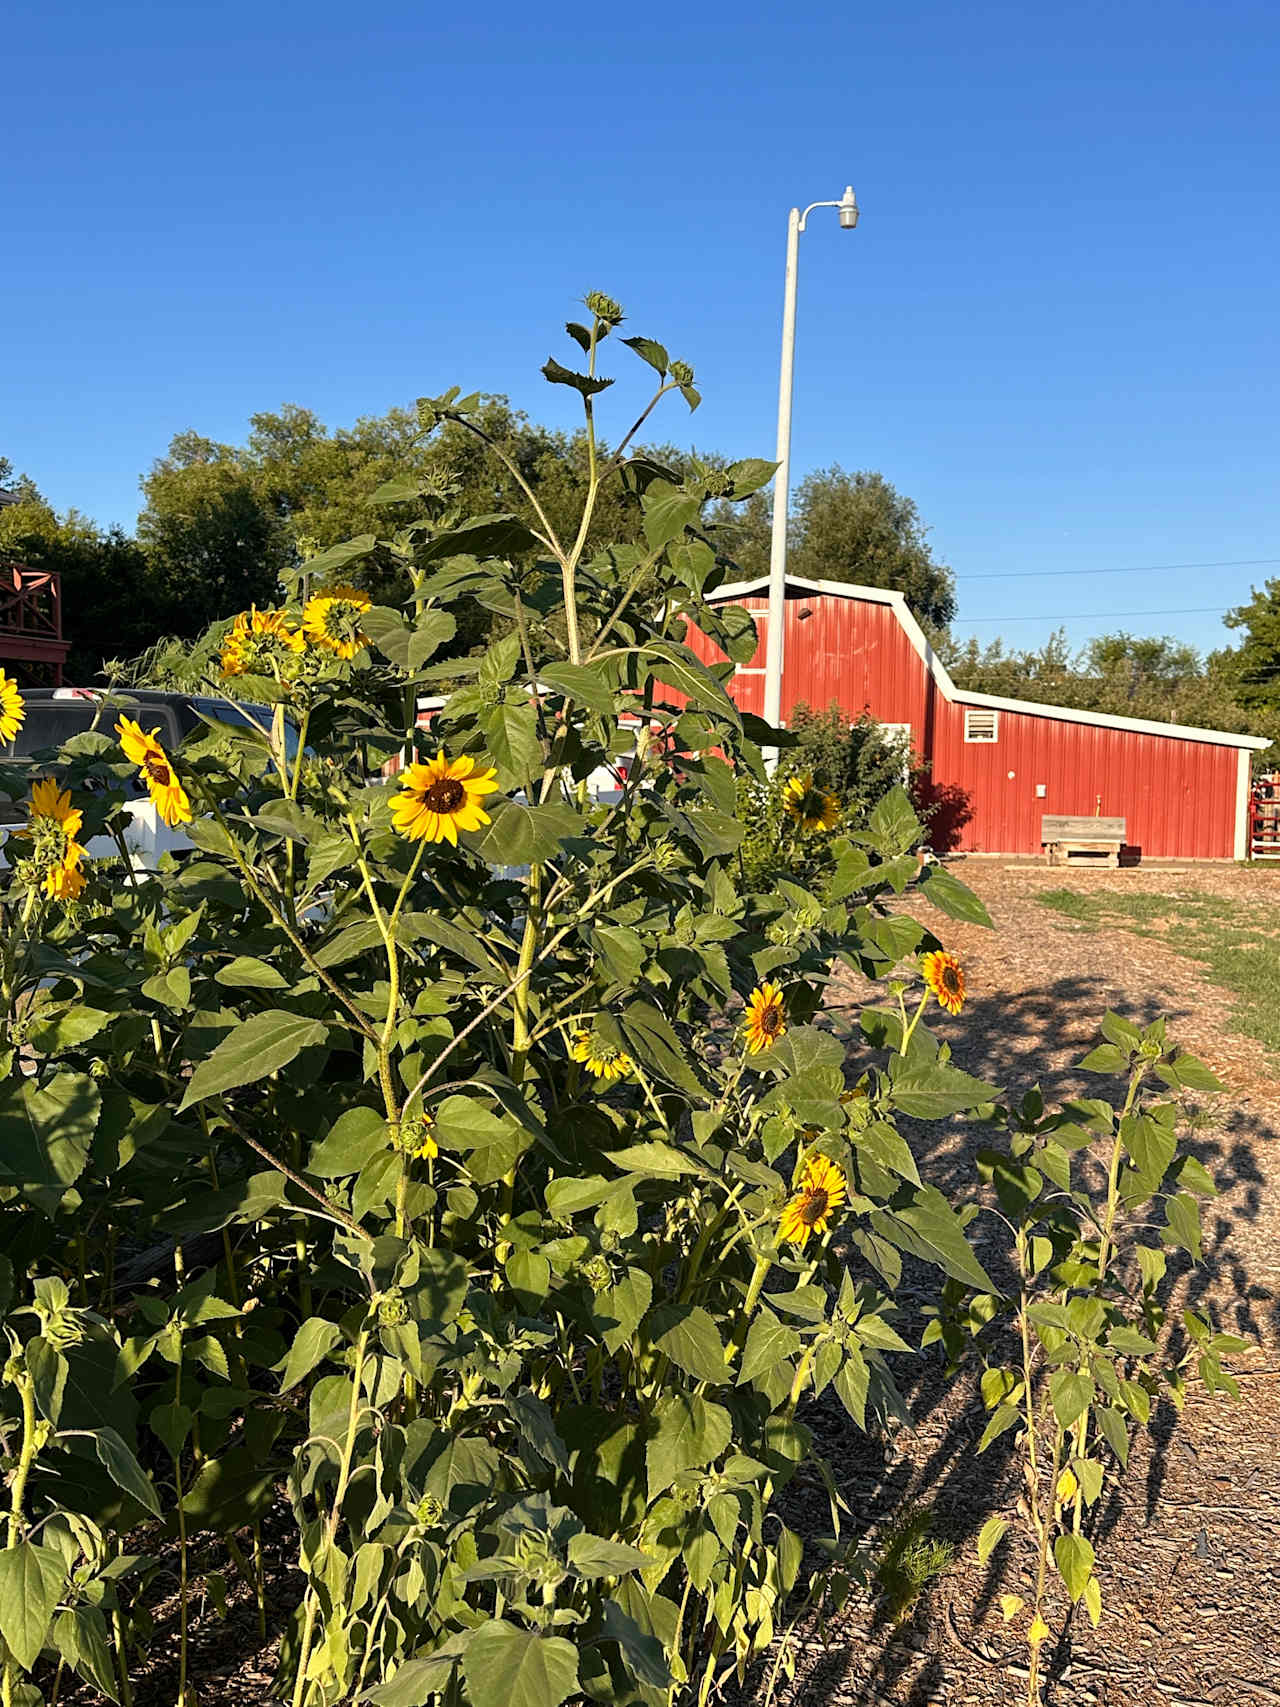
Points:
(1094, 1199)
(451, 1159)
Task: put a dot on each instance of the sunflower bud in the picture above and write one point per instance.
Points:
(604, 307)
(681, 373)
(415, 1137)
(392, 1310)
(428, 1511)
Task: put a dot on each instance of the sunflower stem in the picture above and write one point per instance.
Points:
(738, 1338)
(909, 1033)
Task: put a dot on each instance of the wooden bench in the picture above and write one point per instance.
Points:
(1082, 841)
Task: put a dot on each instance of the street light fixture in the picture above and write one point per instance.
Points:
(848, 211)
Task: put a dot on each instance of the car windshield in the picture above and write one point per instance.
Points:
(50, 722)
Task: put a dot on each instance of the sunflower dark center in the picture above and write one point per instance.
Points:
(771, 1021)
(446, 794)
(158, 771)
(341, 618)
(813, 1205)
(951, 979)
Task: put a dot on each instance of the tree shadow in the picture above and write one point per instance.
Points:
(945, 808)
(1014, 1043)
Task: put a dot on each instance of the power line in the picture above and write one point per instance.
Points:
(1125, 569)
(1101, 615)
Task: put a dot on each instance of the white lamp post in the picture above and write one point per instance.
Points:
(848, 207)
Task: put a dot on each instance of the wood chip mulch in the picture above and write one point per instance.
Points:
(1189, 1544)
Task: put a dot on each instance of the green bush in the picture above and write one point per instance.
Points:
(400, 1164)
(855, 763)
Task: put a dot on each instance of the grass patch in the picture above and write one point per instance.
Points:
(1237, 949)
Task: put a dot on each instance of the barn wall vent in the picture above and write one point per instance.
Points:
(981, 725)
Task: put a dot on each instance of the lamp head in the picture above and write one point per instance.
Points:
(847, 207)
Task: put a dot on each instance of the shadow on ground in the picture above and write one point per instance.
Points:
(1012, 1044)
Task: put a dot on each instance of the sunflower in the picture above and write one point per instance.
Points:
(416, 1137)
(811, 807)
(258, 640)
(600, 1058)
(438, 799)
(332, 620)
(52, 826)
(822, 1191)
(167, 794)
(766, 1019)
(944, 975)
(65, 882)
(12, 710)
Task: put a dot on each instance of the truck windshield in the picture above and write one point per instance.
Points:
(50, 722)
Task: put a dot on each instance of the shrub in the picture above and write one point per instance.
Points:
(785, 815)
(453, 1162)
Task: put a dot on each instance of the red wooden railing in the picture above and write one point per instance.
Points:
(31, 617)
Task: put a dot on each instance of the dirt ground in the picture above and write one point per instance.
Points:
(1189, 1549)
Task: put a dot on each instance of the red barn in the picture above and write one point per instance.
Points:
(996, 766)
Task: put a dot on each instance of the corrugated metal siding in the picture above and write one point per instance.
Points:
(1178, 797)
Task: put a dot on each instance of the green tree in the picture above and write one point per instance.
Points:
(1253, 667)
(847, 527)
(213, 541)
(1047, 674)
(225, 521)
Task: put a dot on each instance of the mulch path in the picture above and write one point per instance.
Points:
(1189, 1545)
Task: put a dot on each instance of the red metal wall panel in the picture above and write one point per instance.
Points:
(1178, 796)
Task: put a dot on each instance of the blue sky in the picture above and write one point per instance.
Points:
(1055, 326)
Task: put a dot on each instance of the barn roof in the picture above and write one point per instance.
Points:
(961, 696)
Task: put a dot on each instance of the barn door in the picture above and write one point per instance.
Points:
(746, 687)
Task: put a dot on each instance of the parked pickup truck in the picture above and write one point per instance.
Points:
(54, 715)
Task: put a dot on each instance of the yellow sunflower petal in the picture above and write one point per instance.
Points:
(13, 709)
(765, 1018)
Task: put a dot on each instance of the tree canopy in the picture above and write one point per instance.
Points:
(1254, 666)
(847, 527)
(1123, 675)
